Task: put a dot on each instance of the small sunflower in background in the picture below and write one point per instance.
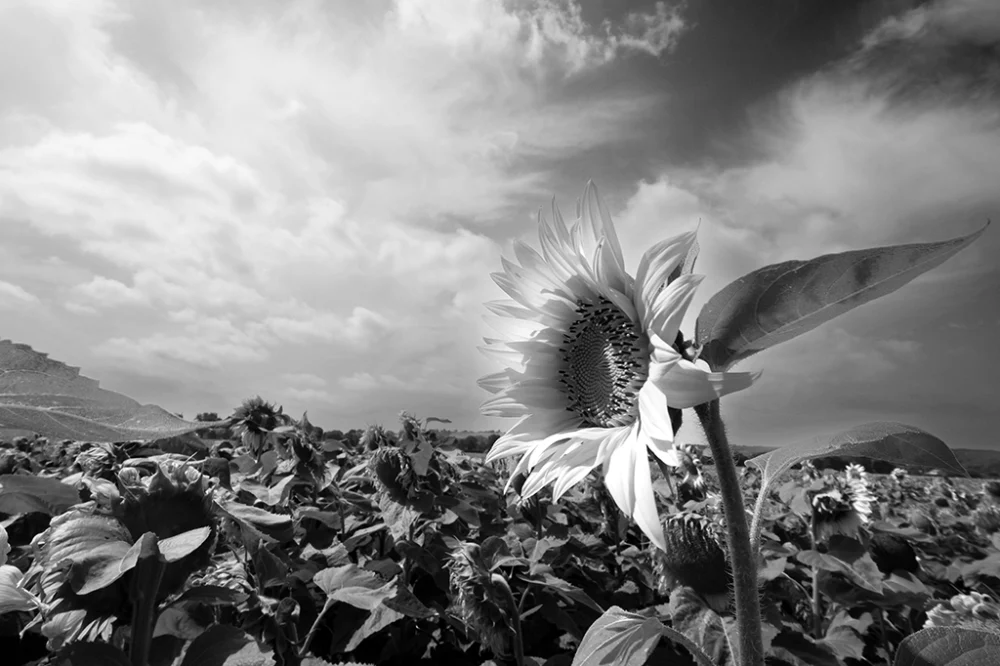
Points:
(254, 420)
(844, 507)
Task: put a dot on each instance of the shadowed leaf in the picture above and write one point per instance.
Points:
(777, 303)
(52, 399)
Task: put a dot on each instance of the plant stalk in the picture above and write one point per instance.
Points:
(515, 616)
(742, 556)
(146, 578)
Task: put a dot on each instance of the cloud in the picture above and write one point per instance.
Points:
(12, 295)
(303, 188)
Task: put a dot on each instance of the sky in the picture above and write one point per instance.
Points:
(205, 201)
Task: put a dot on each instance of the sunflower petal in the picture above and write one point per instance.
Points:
(656, 265)
(655, 425)
(645, 513)
(687, 385)
(668, 309)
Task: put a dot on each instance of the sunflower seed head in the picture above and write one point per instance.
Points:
(604, 364)
(695, 557)
(477, 601)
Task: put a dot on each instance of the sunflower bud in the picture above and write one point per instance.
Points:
(694, 558)
(392, 473)
(477, 600)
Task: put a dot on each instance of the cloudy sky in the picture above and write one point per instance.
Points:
(202, 201)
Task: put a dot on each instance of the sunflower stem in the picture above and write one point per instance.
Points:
(741, 554)
(515, 616)
(146, 578)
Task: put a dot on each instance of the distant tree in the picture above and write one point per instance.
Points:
(333, 434)
(207, 416)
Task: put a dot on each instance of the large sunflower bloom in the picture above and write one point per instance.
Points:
(591, 362)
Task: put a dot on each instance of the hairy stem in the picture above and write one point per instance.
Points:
(742, 557)
(515, 616)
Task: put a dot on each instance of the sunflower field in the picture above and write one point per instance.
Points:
(279, 546)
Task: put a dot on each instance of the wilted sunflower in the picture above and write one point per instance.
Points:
(478, 601)
(695, 558)
(592, 361)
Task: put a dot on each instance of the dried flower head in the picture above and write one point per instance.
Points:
(374, 437)
(695, 557)
(254, 420)
(477, 600)
(411, 426)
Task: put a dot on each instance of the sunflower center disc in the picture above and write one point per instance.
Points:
(604, 365)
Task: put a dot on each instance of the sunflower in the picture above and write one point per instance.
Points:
(593, 359)
(842, 508)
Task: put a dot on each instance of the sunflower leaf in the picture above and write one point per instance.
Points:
(948, 646)
(52, 399)
(779, 302)
(619, 637)
(27, 494)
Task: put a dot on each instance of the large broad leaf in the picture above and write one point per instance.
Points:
(779, 302)
(885, 440)
(949, 646)
(270, 526)
(52, 399)
(619, 638)
(25, 494)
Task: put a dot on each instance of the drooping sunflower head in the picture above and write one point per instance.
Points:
(477, 600)
(174, 499)
(254, 419)
(595, 359)
(695, 558)
(392, 472)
